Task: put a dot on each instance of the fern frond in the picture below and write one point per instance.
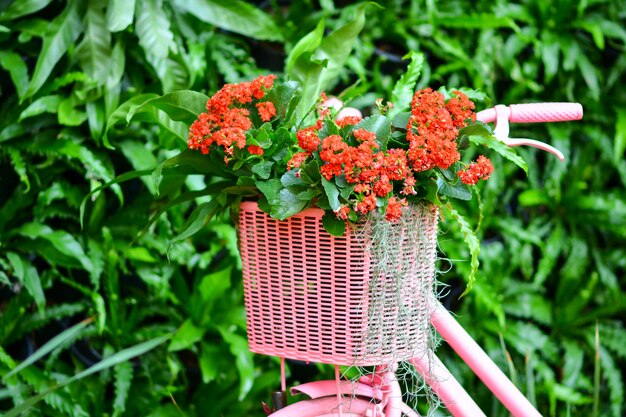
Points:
(613, 337)
(123, 379)
(58, 400)
(37, 320)
(20, 166)
(472, 242)
(613, 375)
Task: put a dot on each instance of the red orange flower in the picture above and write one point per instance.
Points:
(479, 170)
(266, 110)
(394, 209)
(297, 159)
(364, 135)
(255, 150)
(308, 139)
(431, 131)
(348, 120)
(225, 123)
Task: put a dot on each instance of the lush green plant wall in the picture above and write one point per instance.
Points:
(100, 315)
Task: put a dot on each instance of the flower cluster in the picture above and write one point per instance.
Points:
(479, 170)
(433, 128)
(228, 119)
(431, 133)
(371, 167)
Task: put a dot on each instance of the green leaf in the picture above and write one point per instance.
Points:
(286, 205)
(19, 8)
(235, 16)
(492, 143)
(551, 250)
(16, 67)
(172, 71)
(179, 106)
(316, 62)
(308, 195)
(123, 373)
(94, 52)
(96, 118)
(456, 189)
(292, 181)
(153, 28)
(208, 365)
(122, 356)
(307, 44)
(119, 115)
(186, 336)
(49, 346)
(150, 114)
(243, 359)
(46, 104)
(332, 193)
(140, 158)
(11, 132)
(118, 64)
(6, 359)
(337, 46)
(404, 88)
(481, 21)
(284, 98)
(188, 162)
(550, 55)
(589, 74)
(310, 76)
(20, 167)
(93, 162)
(213, 286)
(261, 138)
(68, 115)
(127, 176)
(612, 373)
(401, 120)
(27, 274)
(263, 169)
(310, 172)
(61, 240)
(198, 220)
(4, 280)
(333, 225)
(270, 188)
(472, 242)
(120, 14)
(619, 143)
(62, 33)
(594, 30)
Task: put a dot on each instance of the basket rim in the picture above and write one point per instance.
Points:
(307, 212)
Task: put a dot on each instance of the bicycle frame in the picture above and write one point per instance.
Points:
(379, 394)
(382, 388)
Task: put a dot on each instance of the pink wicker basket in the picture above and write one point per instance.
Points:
(308, 295)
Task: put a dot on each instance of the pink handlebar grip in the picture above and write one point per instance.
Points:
(545, 112)
(535, 112)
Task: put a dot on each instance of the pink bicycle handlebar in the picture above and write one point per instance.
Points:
(529, 113)
(536, 113)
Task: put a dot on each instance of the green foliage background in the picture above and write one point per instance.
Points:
(111, 320)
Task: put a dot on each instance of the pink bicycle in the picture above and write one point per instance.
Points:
(308, 298)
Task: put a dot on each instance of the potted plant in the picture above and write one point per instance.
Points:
(335, 209)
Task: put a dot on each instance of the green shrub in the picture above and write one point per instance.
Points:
(98, 271)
